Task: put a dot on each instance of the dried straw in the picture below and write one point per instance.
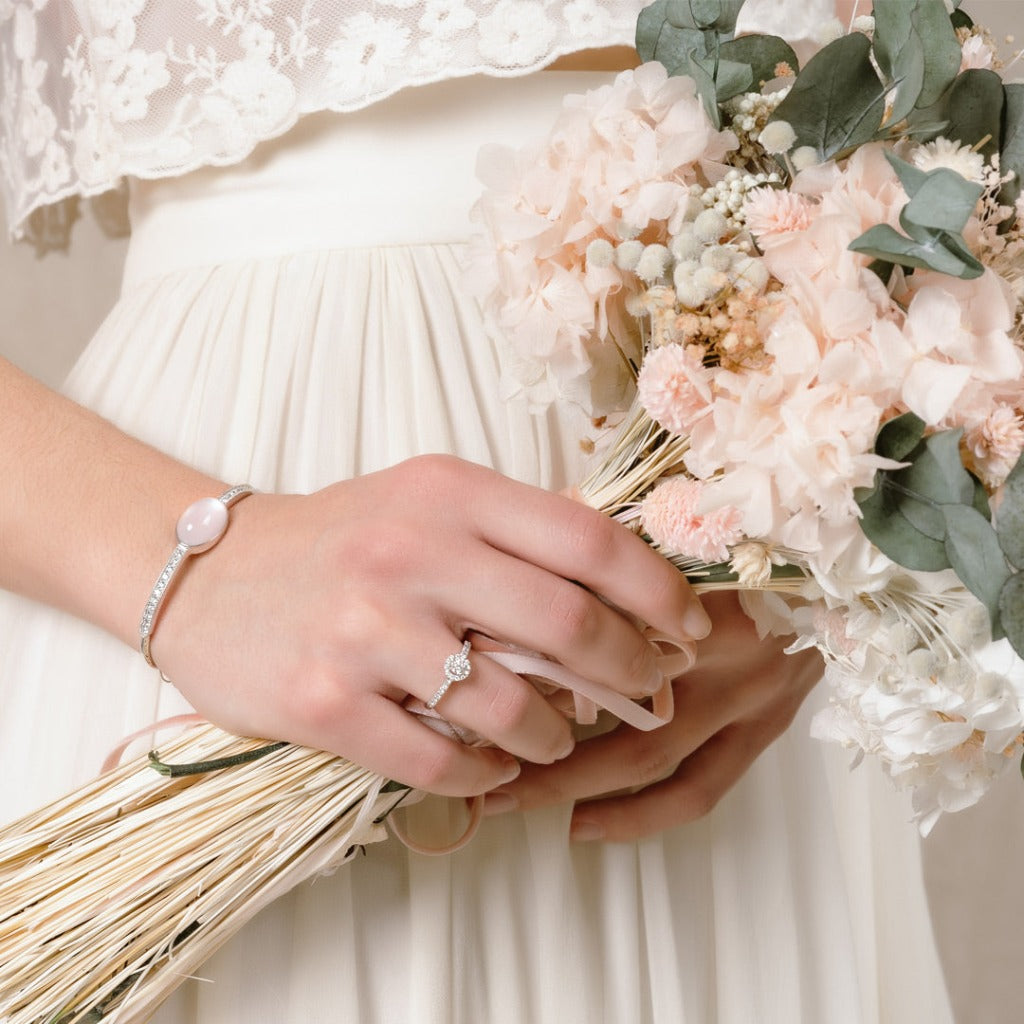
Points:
(115, 894)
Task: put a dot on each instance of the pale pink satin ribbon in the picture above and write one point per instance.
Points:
(674, 659)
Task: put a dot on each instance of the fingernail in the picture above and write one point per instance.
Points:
(512, 770)
(696, 622)
(497, 802)
(654, 682)
(585, 831)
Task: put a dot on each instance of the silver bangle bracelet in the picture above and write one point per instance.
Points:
(200, 527)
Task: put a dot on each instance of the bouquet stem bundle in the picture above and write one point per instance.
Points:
(100, 890)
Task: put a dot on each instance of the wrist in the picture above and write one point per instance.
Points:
(198, 530)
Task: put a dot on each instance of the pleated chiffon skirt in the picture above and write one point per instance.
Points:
(300, 319)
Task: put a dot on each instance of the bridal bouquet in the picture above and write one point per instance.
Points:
(796, 293)
(799, 294)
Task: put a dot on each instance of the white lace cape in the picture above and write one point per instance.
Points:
(93, 90)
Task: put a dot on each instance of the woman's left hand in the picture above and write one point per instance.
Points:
(741, 695)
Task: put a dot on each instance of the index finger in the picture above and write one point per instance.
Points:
(578, 543)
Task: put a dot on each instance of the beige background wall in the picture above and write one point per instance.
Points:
(974, 860)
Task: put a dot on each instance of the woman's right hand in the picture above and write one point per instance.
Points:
(317, 615)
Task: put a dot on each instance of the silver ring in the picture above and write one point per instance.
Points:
(456, 668)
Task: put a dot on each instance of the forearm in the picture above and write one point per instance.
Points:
(86, 512)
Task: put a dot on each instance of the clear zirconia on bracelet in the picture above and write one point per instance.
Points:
(200, 527)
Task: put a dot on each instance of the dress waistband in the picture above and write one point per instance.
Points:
(401, 172)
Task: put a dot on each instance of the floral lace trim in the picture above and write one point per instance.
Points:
(92, 90)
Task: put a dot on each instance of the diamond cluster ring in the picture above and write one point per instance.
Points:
(456, 668)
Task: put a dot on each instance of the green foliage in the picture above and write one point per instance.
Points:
(974, 108)
(718, 15)
(900, 436)
(762, 54)
(695, 38)
(932, 514)
(976, 558)
(941, 203)
(1011, 516)
(885, 525)
(1011, 612)
(1011, 155)
(915, 45)
(837, 101)
(936, 478)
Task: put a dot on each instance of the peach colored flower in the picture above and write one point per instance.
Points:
(669, 515)
(619, 160)
(675, 387)
(996, 443)
(775, 211)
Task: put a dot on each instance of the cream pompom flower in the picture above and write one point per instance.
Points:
(669, 516)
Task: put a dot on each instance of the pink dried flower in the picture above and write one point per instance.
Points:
(996, 443)
(674, 387)
(669, 515)
(773, 211)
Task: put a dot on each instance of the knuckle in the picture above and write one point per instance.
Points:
(652, 763)
(508, 708)
(590, 536)
(667, 589)
(640, 664)
(572, 613)
(318, 702)
(433, 768)
(695, 799)
(382, 555)
(434, 474)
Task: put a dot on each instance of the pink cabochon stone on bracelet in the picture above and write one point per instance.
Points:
(199, 528)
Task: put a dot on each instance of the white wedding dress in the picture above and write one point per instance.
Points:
(297, 318)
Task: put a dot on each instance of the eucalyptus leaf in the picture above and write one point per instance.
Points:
(899, 437)
(1011, 157)
(938, 471)
(885, 243)
(911, 178)
(1011, 612)
(900, 54)
(732, 78)
(762, 54)
(975, 110)
(702, 70)
(1010, 517)
(658, 39)
(837, 102)
(944, 202)
(719, 15)
(941, 201)
(961, 19)
(916, 48)
(934, 481)
(980, 501)
(885, 526)
(976, 557)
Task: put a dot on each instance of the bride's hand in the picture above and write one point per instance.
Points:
(740, 696)
(316, 616)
